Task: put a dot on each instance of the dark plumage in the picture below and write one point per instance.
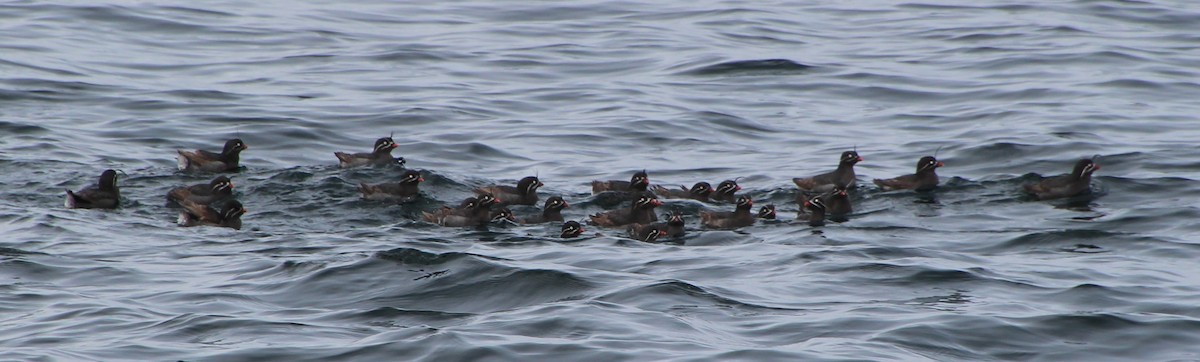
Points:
(229, 216)
(676, 227)
(465, 208)
(381, 155)
(640, 212)
(726, 191)
(525, 193)
(551, 211)
(925, 179)
(767, 212)
(103, 195)
(699, 191)
(638, 183)
(571, 229)
(814, 211)
(837, 203)
(647, 233)
(218, 189)
(844, 175)
(201, 160)
(1078, 182)
(406, 190)
(478, 213)
(740, 217)
(502, 215)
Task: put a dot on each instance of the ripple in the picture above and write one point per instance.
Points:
(478, 93)
(751, 67)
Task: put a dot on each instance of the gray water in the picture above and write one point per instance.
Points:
(482, 92)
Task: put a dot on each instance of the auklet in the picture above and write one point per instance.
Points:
(638, 183)
(525, 193)
(218, 189)
(925, 179)
(571, 229)
(229, 216)
(700, 191)
(640, 212)
(1079, 181)
(726, 191)
(103, 195)
(844, 174)
(404, 191)
(201, 160)
(380, 156)
(551, 211)
(740, 217)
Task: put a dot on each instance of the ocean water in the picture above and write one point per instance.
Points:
(484, 92)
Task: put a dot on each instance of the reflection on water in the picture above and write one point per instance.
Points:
(482, 93)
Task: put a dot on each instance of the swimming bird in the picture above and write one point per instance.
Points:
(229, 216)
(837, 203)
(726, 191)
(925, 179)
(844, 174)
(551, 211)
(676, 227)
(525, 193)
(640, 212)
(219, 188)
(201, 160)
(103, 195)
(479, 213)
(571, 229)
(740, 217)
(638, 183)
(466, 207)
(647, 233)
(381, 155)
(1079, 181)
(700, 191)
(404, 191)
(814, 211)
(767, 212)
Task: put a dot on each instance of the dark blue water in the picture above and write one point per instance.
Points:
(488, 92)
